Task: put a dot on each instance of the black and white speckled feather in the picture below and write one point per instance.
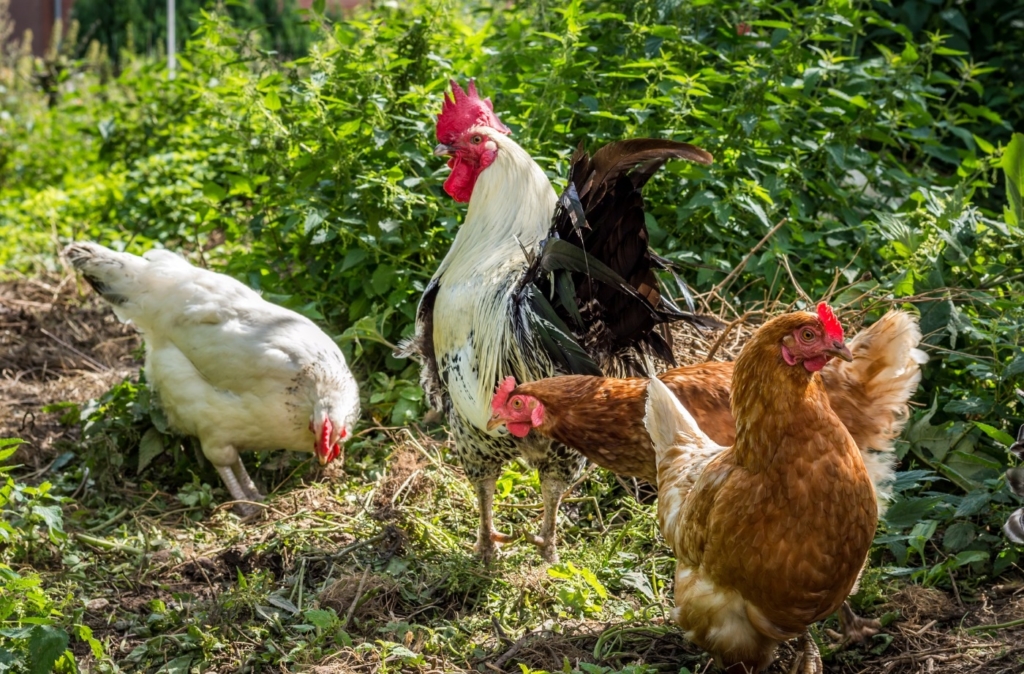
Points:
(536, 285)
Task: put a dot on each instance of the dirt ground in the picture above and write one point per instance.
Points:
(58, 342)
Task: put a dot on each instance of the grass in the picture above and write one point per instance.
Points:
(370, 569)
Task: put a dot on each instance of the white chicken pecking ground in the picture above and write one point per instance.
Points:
(230, 368)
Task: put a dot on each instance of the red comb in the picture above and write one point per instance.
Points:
(501, 394)
(463, 110)
(828, 318)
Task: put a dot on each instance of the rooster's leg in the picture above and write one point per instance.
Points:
(808, 659)
(236, 491)
(489, 538)
(246, 482)
(551, 489)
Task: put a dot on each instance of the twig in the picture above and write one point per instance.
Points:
(743, 263)
(355, 599)
(358, 544)
(104, 544)
(725, 333)
(796, 285)
(515, 648)
(98, 366)
(81, 485)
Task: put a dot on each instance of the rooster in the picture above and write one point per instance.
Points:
(771, 533)
(536, 285)
(230, 368)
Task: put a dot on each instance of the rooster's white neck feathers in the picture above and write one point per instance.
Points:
(510, 209)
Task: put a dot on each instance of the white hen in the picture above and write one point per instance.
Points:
(230, 368)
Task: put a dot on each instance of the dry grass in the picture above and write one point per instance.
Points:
(55, 346)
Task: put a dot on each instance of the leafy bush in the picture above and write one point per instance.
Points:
(140, 26)
(313, 180)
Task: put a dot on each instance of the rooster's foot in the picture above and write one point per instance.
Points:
(548, 549)
(853, 629)
(808, 659)
(487, 546)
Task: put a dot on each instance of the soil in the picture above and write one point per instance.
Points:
(58, 343)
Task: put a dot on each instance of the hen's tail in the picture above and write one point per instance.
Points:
(870, 394)
(681, 449)
(115, 276)
(131, 284)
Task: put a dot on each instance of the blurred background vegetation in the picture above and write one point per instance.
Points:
(293, 150)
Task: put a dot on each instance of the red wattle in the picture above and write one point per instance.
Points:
(520, 429)
(815, 364)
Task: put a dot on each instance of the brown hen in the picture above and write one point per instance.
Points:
(602, 418)
(769, 534)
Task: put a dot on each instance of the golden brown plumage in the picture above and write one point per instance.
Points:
(602, 418)
(773, 534)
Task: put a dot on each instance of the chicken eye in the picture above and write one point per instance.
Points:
(517, 404)
(807, 335)
(475, 140)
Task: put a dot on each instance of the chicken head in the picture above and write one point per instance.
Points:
(463, 129)
(518, 413)
(814, 344)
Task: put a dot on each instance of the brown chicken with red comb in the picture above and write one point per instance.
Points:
(771, 533)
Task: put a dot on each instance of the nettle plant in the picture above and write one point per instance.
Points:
(34, 632)
(313, 179)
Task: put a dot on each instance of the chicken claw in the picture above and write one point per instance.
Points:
(548, 551)
(854, 629)
(808, 659)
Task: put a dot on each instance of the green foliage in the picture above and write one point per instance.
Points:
(32, 518)
(579, 590)
(888, 152)
(34, 635)
(132, 27)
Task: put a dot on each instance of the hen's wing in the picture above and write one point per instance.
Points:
(870, 393)
(683, 453)
(591, 294)
(232, 336)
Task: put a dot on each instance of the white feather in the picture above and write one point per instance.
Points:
(230, 368)
(510, 209)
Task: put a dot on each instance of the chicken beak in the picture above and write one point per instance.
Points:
(442, 150)
(840, 350)
(324, 458)
(495, 422)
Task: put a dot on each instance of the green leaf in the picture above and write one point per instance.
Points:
(1012, 164)
(999, 436)
(974, 503)
(46, 644)
(971, 557)
(906, 513)
(318, 6)
(179, 665)
(150, 446)
(272, 100)
(52, 516)
(321, 618)
(214, 191)
(958, 536)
